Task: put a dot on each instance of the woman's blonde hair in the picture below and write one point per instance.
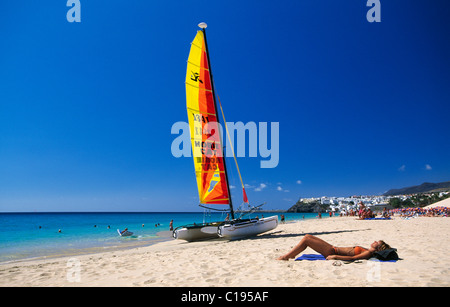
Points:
(383, 245)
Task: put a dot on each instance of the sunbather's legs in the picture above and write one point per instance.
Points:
(313, 242)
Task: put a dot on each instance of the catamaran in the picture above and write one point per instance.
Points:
(209, 161)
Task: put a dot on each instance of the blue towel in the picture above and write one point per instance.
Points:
(313, 257)
(379, 260)
(310, 257)
(378, 218)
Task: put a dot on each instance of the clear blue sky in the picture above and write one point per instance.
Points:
(86, 109)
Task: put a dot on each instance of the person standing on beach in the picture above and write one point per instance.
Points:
(361, 209)
(171, 225)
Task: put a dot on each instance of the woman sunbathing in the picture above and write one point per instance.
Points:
(331, 252)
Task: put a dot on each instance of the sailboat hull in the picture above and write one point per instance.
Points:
(196, 233)
(248, 227)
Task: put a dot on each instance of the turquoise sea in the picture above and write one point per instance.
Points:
(34, 235)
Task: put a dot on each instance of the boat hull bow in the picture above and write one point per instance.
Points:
(247, 228)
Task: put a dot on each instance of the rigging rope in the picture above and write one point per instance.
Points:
(232, 150)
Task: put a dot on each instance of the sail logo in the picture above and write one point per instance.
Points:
(213, 182)
(196, 77)
(210, 149)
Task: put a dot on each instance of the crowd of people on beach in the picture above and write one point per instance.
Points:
(365, 212)
(418, 212)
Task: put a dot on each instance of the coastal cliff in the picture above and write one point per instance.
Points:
(310, 207)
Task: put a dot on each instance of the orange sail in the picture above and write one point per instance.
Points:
(203, 123)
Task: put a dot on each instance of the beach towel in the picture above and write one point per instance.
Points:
(310, 257)
(388, 255)
(378, 218)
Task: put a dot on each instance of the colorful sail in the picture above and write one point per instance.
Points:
(203, 123)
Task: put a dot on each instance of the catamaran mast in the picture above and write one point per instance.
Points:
(203, 26)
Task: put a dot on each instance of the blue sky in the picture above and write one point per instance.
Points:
(86, 109)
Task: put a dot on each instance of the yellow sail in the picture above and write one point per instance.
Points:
(203, 122)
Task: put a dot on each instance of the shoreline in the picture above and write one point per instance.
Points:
(88, 251)
(251, 262)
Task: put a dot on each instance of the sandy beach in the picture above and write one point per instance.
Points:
(422, 243)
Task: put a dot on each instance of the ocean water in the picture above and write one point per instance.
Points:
(34, 235)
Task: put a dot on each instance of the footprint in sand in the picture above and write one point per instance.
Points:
(149, 281)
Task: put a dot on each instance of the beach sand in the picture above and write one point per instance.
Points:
(422, 243)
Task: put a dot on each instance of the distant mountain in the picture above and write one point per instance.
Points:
(425, 187)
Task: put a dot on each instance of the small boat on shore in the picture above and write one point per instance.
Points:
(197, 232)
(249, 227)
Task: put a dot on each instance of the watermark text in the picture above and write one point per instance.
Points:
(258, 141)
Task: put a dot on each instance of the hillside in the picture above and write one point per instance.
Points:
(425, 187)
(312, 207)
